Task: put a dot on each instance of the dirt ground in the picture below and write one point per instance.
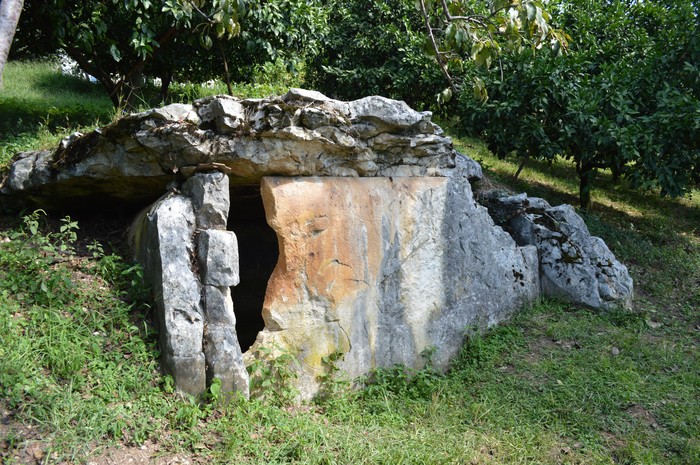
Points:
(25, 445)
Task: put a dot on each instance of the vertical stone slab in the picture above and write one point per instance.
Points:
(165, 255)
(219, 306)
(210, 199)
(381, 269)
(217, 253)
(217, 258)
(225, 359)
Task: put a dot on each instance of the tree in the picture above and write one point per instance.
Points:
(375, 48)
(480, 31)
(626, 97)
(283, 32)
(122, 42)
(10, 11)
(119, 42)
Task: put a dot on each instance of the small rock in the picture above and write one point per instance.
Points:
(615, 351)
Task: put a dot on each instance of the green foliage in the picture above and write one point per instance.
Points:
(275, 36)
(286, 31)
(626, 97)
(272, 374)
(189, 92)
(479, 353)
(334, 386)
(27, 262)
(77, 361)
(400, 382)
(375, 48)
(121, 42)
(465, 31)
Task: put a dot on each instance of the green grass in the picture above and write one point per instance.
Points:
(38, 105)
(557, 385)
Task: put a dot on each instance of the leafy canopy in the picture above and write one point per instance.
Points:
(116, 41)
(626, 97)
(461, 30)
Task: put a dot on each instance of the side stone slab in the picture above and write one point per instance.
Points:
(191, 269)
(382, 269)
(574, 265)
(165, 255)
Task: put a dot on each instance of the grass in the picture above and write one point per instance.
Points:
(39, 105)
(557, 385)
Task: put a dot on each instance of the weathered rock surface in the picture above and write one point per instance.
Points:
(194, 310)
(302, 133)
(165, 254)
(574, 265)
(210, 198)
(217, 252)
(382, 269)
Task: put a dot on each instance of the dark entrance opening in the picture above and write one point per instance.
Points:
(258, 254)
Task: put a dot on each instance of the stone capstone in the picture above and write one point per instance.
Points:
(574, 265)
(302, 133)
(383, 269)
(194, 310)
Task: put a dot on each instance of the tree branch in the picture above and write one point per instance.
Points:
(438, 55)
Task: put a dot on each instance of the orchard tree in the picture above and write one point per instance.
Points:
(120, 42)
(480, 31)
(375, 48)
(626, 97)
(283, 32)
(385, 47)
(10, 11)
(116, 41)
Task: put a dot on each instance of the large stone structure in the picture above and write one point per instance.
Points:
(192, 262)
(384, 269)
(378, 249)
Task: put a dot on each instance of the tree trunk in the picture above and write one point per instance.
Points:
(165, 81)
(522, 165)
(227, 75)
(586, 172)
(132, 91)
(87, 66)
(616, 173)
(9, 17)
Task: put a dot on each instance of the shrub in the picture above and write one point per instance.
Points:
(375, 48)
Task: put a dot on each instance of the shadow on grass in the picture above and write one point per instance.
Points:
(654, 216)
